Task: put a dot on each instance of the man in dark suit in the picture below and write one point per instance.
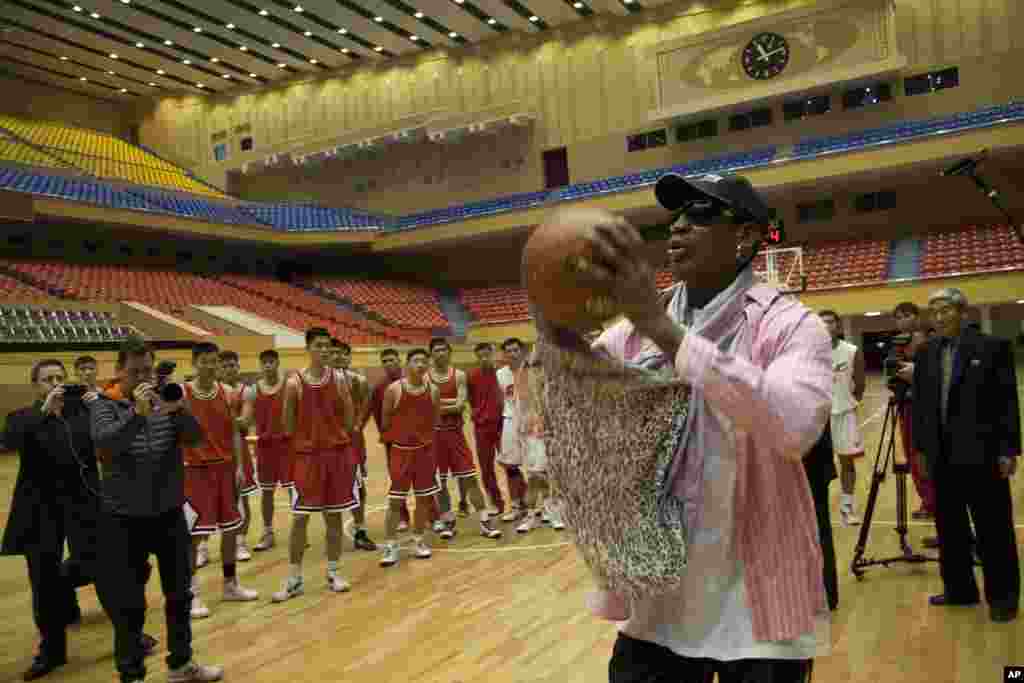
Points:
(967, 424)
(820, 466)
(56, 498)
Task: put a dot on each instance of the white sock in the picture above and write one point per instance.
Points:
(296, 572)
(268, 529)
(485, 516)
(332, 567)
(846, 500)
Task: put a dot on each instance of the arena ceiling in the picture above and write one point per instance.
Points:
(142, 48)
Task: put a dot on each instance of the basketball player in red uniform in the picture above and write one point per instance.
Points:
(341, 359)
(392, 365)
(213, 474)
(486, 402)
(410, 411)
(230, 376)
(451, 452)
(263, 413)
(319, 417)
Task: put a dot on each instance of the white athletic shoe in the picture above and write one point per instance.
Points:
(293, 588)
(448, 530)
(488, 531)
(202, 555)
(531, 522)
(848, 517)
(242, 553)
(198, 610)
(338, 584)
(512, 515)
(266, 542)
(390, 556)
(195, 673)
(234, 592)
(422, 551)
(554, 515)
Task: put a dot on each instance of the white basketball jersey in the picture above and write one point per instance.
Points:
(843, 355)
(507, 381)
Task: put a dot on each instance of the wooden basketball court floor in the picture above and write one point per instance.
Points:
(509, 611)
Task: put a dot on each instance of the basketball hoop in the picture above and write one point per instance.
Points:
(782, 268)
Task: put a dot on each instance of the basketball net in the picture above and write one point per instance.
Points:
(782, 268)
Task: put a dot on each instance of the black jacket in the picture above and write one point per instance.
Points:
(54, 480)
(983, 419)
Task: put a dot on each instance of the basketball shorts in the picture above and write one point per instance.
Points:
(212, 499)
(536, 455)
(273, 463)
(412, 469)
(452, 454)
(846, 437)
(511, 447)
(324, 482)
(249, 485)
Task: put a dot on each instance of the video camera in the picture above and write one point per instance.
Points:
(895, 356)
(75, 392)
(169, 392)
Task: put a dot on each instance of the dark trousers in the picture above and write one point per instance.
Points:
(639, 661)
(127, 543)
(978, 489)
(52, 600)
(819, 491)
(488, 438)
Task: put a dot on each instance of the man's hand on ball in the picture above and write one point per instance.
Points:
(620, 262)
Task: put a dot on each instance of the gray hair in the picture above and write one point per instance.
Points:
(950, 294)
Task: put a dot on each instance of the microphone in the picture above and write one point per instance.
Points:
(965, 166)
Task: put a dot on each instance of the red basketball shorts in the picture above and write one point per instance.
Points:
(211, 494)
(452, 454)
(273, 463)
(324, 482)
(359, 450)
(412, 469)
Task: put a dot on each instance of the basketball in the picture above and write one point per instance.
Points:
(555, 263)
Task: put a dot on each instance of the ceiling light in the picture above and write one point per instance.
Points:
(453, 34)
(312, 61)
(578, 5)
(200, 85)
(342, 31)
(152, 85)
(243, 48)
(111, 73)
(113, 55)
(492, 21)
(124, 89)
(197, 30)
(63, 59)
(186, 61)
(379, 49)
(168, 43)
(160, 72)
(298, 8)
(83, 78)
(459, 2)
(1020, 301)
(345, 50)
(140, 45)
(628, 2)
(253, 76)
(414, 38)
(230, 27)
(418, 15)
(77, 8)
(95, 15)
(226, 76)
(378, 19)
(126, 2)
(215, 60)
(264, 12)
(276, 45)
(308, 34)
(872, 314)
(535, 18)
(281, 65)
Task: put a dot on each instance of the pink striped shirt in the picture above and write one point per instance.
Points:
(776, 393)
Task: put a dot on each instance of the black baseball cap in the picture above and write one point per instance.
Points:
(675, 193)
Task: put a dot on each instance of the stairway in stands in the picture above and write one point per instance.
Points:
(904, 259)
(457, 314)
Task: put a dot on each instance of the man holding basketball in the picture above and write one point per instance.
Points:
(751, 606)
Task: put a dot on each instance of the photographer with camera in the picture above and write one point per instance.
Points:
(141, 437)
(899, 368)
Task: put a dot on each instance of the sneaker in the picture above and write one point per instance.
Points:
(422, 551)
(448, 531)
(193, 673)
(556, 521)
(234, 592)
(242, 553)
(199, 610)
(363, 542)
(487, 530)
(266, 542)
(531, 522)
(512, 515)
(390, 556)
(202, 555)
(439, 525)
(403, 526)
(554, 514)
(338, 584)
(848, 517)
(293, 588)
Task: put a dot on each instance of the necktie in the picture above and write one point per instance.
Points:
(947, 375)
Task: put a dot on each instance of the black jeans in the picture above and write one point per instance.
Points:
(640, 661)
(127, 544)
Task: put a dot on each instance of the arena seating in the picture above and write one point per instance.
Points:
(841, 264)
(310, 217)
(56, 324)
(496, 304)
(973, 250)
(21, 153)
(13, 289)
(404, 304)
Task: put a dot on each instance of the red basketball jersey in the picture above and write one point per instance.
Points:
(449, 389)
(216, 418)
(268, 411)
(318, 416)
(412, 421)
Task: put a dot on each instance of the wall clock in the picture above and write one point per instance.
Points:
(765, 56)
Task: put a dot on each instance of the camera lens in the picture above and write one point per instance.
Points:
(169, 393)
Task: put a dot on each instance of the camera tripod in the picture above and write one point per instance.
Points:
(887, 454)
